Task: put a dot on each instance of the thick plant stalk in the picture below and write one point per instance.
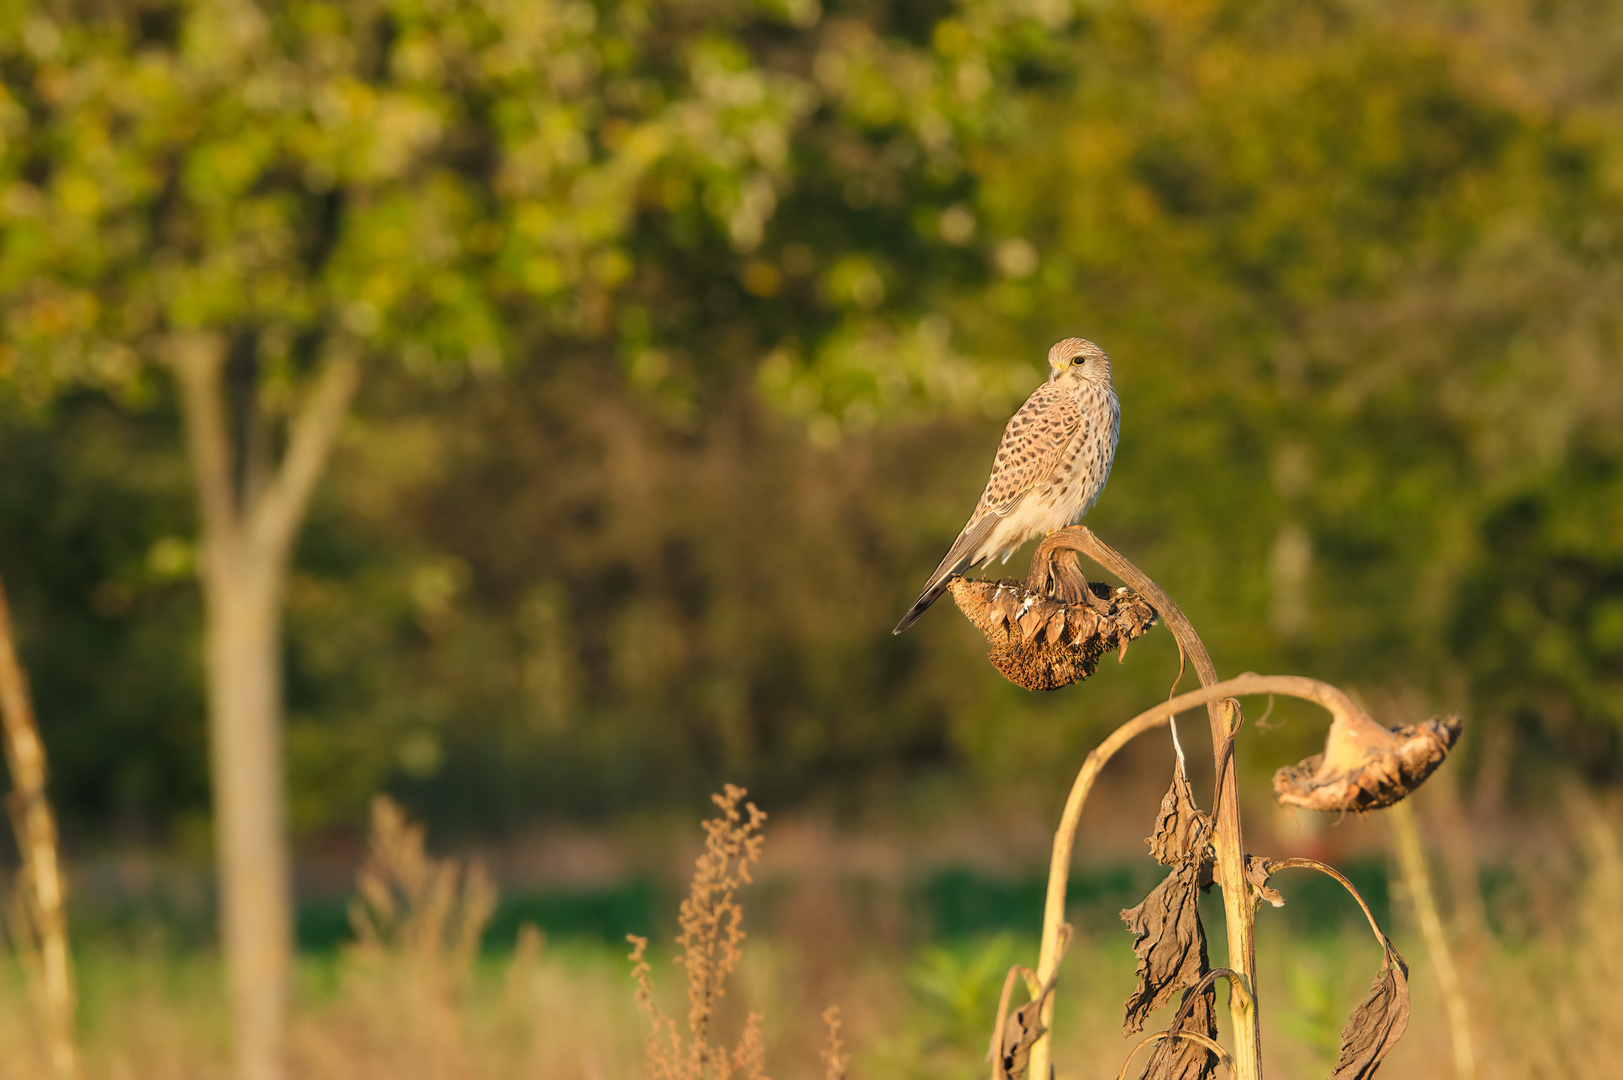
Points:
(36, 840)
(1059, 867)
(1238, 909)
(1412, 863)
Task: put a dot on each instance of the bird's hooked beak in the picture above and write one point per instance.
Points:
(1053, 372)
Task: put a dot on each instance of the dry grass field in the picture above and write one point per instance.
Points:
(414, 996)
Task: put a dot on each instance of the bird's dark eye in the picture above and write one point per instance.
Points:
(1077, 360)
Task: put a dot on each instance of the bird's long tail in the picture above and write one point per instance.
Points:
(932, 592)
(960, 558)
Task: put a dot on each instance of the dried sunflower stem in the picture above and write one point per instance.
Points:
(995, 1051)
(35, 827)
(1242, 1005)
(1239, 912)
(1236, 986)
(1192, 1036)
(1327, 869)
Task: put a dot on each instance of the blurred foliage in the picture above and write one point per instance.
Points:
(690, 329)
(423, 178)
(959, 985)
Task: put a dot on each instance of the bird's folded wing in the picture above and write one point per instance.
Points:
(1032, 451)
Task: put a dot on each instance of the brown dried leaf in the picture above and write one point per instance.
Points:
(1083, 623)
(1056, 626)
(1036, 616)
(1134, 620)
(1185, 1059)
(1378, 1021)
(1020, 1033)
(1006, 602)
(1048, 609)
(1256, 872)
(1170, 943)
(1181, 828)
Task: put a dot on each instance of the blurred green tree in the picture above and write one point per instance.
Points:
(266, 200)
(1357, 264)
(1363, 265)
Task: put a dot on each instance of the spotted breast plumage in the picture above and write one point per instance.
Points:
(1050, 468)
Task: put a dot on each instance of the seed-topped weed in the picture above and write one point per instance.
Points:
(712, 940)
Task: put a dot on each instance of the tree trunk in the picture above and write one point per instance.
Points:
(247, 544)
(244, 671)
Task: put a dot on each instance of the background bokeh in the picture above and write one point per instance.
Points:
(688, 331)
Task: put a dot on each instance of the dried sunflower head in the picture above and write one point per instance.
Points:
(1041, 643)
(1365, 766)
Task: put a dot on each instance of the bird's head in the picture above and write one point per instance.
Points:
(1078, 359)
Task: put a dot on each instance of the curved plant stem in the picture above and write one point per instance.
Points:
(995, 1051)
(1236, 986)
(1325, 868)
(35, 826)
(1192, 1036)
(1239, 912)
(1059, 866)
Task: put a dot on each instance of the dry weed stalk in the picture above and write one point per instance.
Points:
(1365, 766)
(425, 912)
(834, 1057)
(418, 922)
(41, 927)
(712, 939)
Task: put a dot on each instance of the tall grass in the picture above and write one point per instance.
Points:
(412, 998)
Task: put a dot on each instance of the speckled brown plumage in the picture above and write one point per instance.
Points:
(1050, 467)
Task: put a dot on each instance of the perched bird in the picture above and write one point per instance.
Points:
(1051, 466)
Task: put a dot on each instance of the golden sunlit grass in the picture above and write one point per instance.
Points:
(412, 997)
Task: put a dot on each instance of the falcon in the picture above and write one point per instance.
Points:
(1050, 468)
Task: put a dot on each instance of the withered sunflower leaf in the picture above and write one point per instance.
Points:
(1169, 941)
(1256, 872)
(1020, 1033)
(1182, 1059)
(1180, 827)
(1377, 1022)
